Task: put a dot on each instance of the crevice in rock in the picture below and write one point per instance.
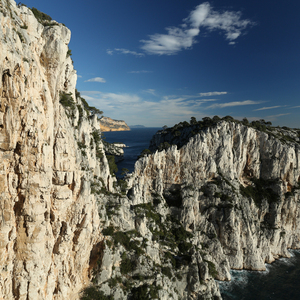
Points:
(96, 256)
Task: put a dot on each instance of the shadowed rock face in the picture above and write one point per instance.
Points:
(108, 124)
(49, 222)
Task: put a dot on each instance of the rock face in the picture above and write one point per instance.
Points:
(238, 183)
(108, 124)
(49, 224)
(228, 198)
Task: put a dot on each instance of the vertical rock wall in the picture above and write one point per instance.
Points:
(49, 221)
(236, 183)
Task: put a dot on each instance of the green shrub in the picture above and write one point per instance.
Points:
(121, 238)
(40, 16)
(259, 191)
(145, 152)
(108, 231)
(127, 265)
(112, 164)
(69, 53)
(21, 37)
(167, 271)
(92, 293)
(95, 111)
(149, 211)
(144, 292)
(96, 136)
(122, 184)
(67, 101)
(212, 269)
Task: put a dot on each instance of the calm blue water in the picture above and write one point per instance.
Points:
(279, 282)
(136, 140)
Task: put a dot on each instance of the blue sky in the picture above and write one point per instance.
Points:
(160, 62)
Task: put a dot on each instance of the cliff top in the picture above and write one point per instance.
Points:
(180, 133)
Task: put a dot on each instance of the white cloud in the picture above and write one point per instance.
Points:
(271, 107)
(176, 40)
(79, 76)
(208, 100)
(96, 79)
(235, 103)
(275, 116)
(109, 52)
(137, 110)
(155, 111)
(209, 94)
(183, 37)
(125, 51)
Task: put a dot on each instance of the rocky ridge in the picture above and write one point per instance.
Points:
(108, 124)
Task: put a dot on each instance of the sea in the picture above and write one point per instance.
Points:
(279, 281)
(281, 278)
(136, 140)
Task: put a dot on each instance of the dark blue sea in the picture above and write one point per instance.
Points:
(136, 140)
(280, 280)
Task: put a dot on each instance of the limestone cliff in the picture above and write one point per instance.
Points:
(237, 185)
(213, 198)
(108, 124)
(50, 151)
(224, 196)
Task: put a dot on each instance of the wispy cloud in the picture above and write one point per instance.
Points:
(209, 100)
(150, 91)
(156, 111)
(124, 51)
(142, 110)
(279, 115)
(271, 107)
(231, 104)
(96, 79)
(184, 36)
(296, 106)
(209, 94)
(79, 76)
(139, 72)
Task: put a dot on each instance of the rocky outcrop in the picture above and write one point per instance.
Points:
(108, 124)
(235, 184)
(49, 224)
(227, 198)
(115, 149)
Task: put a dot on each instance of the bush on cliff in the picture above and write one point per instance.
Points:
(40, 16)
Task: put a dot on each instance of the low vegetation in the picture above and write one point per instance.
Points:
(92, 293)
(259, 190)
(40, 16)
(181, 133)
